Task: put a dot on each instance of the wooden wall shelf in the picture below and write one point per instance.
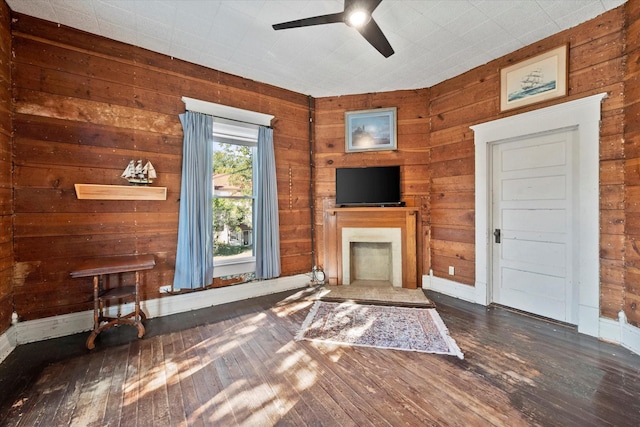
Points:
(120, 192)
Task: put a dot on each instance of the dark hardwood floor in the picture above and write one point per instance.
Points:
(238, 364)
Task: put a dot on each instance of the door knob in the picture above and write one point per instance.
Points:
(496, 234)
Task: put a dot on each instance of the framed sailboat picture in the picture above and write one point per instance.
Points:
(536, 79)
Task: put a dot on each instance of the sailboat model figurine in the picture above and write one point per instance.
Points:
(137, 174)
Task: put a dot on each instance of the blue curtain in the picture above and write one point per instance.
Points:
(194, 257)
(267, 230)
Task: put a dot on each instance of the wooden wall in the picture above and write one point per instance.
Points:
(632, 165)
(444, 183)
(596, 65)
(6, 203)
(412, 154)
(85, 106)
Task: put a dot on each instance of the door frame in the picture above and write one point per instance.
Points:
(584, 114)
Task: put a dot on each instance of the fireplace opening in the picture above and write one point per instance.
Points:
(372, 254)
(371, 261)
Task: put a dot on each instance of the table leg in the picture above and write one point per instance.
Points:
(96, 302)
(136, 318)
(96, 313)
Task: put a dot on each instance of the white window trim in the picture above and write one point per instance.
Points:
(230, 268)
(224, 111)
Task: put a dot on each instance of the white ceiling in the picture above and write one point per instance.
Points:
(433, 40)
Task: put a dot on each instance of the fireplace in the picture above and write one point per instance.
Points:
(371, 244)
(372, 254)
(370, 262)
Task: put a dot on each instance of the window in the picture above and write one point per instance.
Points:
(233, 196)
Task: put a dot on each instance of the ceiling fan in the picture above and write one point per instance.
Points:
(356, 14)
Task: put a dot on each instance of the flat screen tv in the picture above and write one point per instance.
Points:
(368, 186)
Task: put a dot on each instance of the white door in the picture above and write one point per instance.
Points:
(534, 195)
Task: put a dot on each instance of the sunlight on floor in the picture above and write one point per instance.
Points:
(242, 401)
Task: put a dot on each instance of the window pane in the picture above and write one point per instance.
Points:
(233, 201)
(233, 228)
(232, 170)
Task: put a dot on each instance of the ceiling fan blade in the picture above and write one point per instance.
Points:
(368, 5)
(307, 22)
(373, 34)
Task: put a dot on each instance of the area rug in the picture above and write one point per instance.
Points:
(375, 295)
(396, 328)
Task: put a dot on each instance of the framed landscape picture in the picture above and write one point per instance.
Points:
(371, 130)
(534, 80)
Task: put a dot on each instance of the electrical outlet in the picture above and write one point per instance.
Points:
(165, 289)
(452, 270)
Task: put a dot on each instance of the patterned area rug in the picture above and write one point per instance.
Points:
(397, 328)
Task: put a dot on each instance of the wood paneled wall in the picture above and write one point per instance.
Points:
(596, 65)
(412, 154)
(437, 150)
(85, 106)
(6, 201)
(632, 166)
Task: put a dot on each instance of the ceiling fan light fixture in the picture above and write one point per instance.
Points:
(357, 15)
(358, 18)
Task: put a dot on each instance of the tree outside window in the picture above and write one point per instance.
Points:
(232, 201)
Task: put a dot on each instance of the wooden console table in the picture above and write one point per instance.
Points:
(98, 268)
